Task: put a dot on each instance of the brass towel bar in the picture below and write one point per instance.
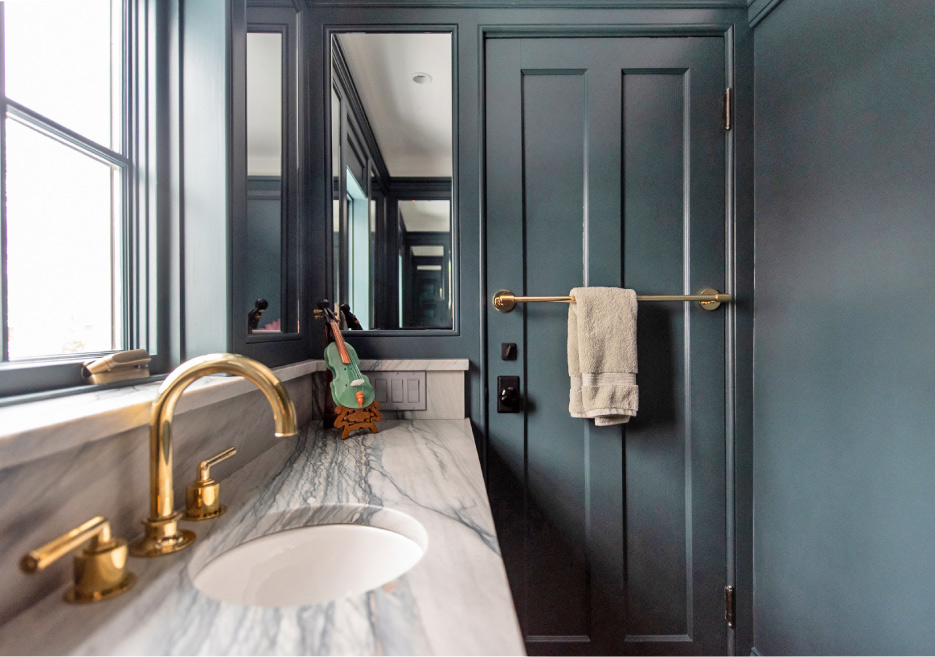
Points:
(709, 299)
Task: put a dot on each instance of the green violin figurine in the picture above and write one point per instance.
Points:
(349, 386)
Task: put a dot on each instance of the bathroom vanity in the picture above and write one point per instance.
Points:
(419, 478)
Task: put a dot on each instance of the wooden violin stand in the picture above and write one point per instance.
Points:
(341, 360)
(358, 418)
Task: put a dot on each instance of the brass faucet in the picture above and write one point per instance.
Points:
(163, 535)
(100, 568)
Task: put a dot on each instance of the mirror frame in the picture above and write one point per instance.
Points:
(329, 32)
(271, 348)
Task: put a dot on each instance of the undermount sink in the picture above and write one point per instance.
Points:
(308, 565)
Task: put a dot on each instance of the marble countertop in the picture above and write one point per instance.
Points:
(412, 475)
(410, 365)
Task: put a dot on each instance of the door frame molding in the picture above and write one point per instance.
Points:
(726, 31)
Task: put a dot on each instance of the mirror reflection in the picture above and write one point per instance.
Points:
(391, 164)
(265, 208)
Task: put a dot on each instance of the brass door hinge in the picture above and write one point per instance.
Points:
(729, 605)
(727, 110)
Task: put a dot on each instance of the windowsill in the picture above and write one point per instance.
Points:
(35, 429)
(40, 428)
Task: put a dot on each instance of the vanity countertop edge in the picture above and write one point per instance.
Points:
(456, 600)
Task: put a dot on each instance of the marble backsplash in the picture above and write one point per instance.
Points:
(45, 497)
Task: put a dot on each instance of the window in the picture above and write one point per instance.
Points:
(70, 226)
(358, 243)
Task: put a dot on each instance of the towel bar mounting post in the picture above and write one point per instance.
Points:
(708, 299)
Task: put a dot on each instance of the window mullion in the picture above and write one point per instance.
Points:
(131, 208)
(68, 137)
(4, 343)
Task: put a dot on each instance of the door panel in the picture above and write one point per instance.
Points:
(605, 166)
(556, 530)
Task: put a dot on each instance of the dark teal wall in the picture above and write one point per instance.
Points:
(469, 19)
(844, 448)
(203, 225)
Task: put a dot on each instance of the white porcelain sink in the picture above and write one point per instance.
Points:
(308, 565)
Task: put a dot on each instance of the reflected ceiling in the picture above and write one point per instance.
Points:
(411, 121)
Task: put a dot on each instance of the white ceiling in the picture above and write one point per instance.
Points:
(412, 122)
(426, 216)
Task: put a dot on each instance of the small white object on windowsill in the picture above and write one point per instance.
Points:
(121, 366)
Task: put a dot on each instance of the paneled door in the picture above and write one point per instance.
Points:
(605, 166)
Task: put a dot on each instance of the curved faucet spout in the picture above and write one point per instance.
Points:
(162, 533)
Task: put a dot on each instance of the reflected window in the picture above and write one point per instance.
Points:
(359, 252)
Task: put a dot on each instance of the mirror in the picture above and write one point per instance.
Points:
(264, 181)
(266, 236)
(392, 221)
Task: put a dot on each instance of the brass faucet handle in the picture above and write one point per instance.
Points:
(204, 468)
(100, 568)
(203, 496)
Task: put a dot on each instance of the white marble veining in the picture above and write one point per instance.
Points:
(409, 365)
(456, 600)
(36, 429)
(44, 497)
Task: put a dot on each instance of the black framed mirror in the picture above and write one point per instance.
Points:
(393, 255)
(266, 212)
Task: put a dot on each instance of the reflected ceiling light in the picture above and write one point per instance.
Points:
(421, 78)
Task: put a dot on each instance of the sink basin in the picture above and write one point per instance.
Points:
(308, 565)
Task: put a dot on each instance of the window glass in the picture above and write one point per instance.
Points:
(62, 245)
(63, 61)
(65, 180)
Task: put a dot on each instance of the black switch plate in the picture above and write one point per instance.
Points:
(509, 399)
(508, 351)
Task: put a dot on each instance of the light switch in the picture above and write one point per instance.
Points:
(399, 391)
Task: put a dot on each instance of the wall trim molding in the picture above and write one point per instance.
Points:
(760, 9)
(531, 4)
(420, 188)
(628, 30)
(294, 4)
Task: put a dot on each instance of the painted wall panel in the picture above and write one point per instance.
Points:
(655, 130)
(844, 460)
(206, 249)
(554, 133)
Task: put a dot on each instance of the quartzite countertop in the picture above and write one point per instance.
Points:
(456, 600)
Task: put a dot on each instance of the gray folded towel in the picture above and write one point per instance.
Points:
(602, 354)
